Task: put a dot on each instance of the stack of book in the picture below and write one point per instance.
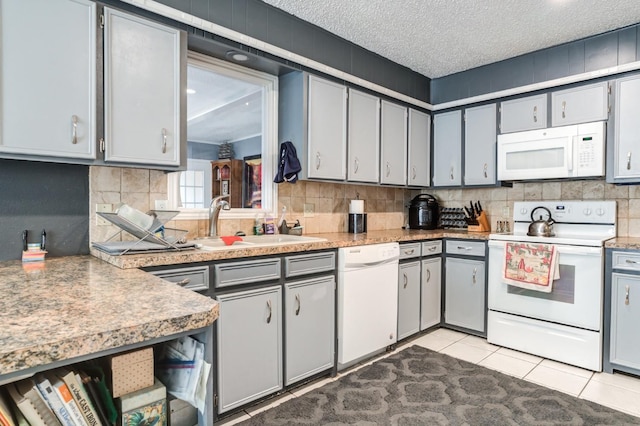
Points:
(58, 397)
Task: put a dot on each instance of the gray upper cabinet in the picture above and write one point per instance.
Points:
(528, 113)
(144, 100)
(419, 149)
(480, 145)
(393, 161)
(581, 104)
(447, 149)
(312, 113)
(48, 78)
(364, 137)
(309, 327)
(624, 152)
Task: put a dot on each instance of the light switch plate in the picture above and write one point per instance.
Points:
(309, 210)
(103, 208)
(162, 204)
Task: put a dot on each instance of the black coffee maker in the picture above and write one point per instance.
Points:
(424, 212)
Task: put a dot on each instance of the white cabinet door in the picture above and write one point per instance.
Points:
(521, 114)
(626, 155)
(249, 346)
(447, 149)
(408, 299)
(580, 104)
(309, 327)
(419, 157)
(465, 293)
(144, 78)
(430, 292)
(480, 145)
(327, 108)
(393, 161)
(364, 137)
(48, 78)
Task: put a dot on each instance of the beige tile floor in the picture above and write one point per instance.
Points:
(617, 391)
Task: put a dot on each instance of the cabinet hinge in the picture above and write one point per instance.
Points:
(609, 88)
(101, 20)
(609, 109)
(464, 117)
(215, 400)
(101, 143)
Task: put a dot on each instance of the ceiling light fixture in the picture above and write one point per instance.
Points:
(237, 56)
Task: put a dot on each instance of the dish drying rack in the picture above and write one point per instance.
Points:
(156, 238)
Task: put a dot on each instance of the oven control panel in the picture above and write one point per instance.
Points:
(597, 212)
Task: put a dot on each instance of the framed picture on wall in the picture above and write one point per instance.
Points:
(252, 184)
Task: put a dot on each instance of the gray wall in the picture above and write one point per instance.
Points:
(274, 26)
(36, 196)
(605, 50)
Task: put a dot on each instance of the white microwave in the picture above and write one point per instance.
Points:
(575, 151)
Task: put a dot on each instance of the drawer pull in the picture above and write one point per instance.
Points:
(432, 248)
(484, 170)
(629, 161)
(299, 305)
(535, 114)
(406, 280)
(270, 311)
(408, 252)
(626, 295)
(475, 272)
(74, 123)
(164, 140)
(464, 248)
(357, 164)
(633, 262)
(184, 282)
(428, 275)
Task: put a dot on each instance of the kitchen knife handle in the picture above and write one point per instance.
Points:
(270, 311)
(626, 295)
(74, 126)
(164, 140)
(299, 305)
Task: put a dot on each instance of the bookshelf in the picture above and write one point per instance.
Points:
(226, 178)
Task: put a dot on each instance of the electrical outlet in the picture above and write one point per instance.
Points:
(309, 210)
(505, 211)
(162, 204)
(103, 208)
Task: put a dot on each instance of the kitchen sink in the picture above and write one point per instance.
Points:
(249, 241)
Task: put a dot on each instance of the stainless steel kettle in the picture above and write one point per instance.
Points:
(541, 227)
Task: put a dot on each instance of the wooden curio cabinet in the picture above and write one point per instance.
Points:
(226, 178)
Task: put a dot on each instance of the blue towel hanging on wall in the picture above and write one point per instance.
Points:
(289, 165)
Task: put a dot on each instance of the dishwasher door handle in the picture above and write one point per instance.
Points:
(349, 266)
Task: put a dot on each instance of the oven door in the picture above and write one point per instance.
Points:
(576, 298)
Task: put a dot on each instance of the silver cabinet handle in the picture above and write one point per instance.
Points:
(564, 107)
(464, 248)
(299, 304)
(164, 140)
(413, 172)
(184, 282)
(74, 124)
(388, 169)
(357, 164)
(626, 294)
(629, 160)
(475, 272)
(428, 275)
(432, 248)
(317, 160)
(406, 280)
(408, 252)
(451, 173)
(270, 311)
(631, 261)
(484, 171)
(535, 114)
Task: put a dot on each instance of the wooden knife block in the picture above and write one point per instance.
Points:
(483, 224)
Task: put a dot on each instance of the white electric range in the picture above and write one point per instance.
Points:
(565, 324)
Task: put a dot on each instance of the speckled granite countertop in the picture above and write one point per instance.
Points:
(79, 305)
(623, 243)
(333, 240)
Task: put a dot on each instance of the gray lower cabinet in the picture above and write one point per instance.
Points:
(408, 299)
(309, 327)
(430, 292)
(465, 293)
(625, 316)
(249, 346)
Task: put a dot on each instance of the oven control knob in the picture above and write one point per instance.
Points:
(587, 212)
(600, 212)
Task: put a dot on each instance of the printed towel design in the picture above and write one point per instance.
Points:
(531, 266)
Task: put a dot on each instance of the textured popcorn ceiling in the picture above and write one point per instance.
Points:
(441, 37)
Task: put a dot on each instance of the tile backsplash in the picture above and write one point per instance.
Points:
(385, 206)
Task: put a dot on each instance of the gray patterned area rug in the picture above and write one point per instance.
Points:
(420, 387)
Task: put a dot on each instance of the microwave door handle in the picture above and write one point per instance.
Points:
(570, 149)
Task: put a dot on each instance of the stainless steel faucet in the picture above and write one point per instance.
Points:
(216, 205)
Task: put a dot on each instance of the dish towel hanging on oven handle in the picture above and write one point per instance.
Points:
(531, 266)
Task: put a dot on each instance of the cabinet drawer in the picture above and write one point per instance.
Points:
(305, 264)
(467, 248)
(193, 278)
(408, 251)
(626, 260)
(252, 271)
(431, 247)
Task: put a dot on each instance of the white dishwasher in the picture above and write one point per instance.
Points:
(367, 300)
